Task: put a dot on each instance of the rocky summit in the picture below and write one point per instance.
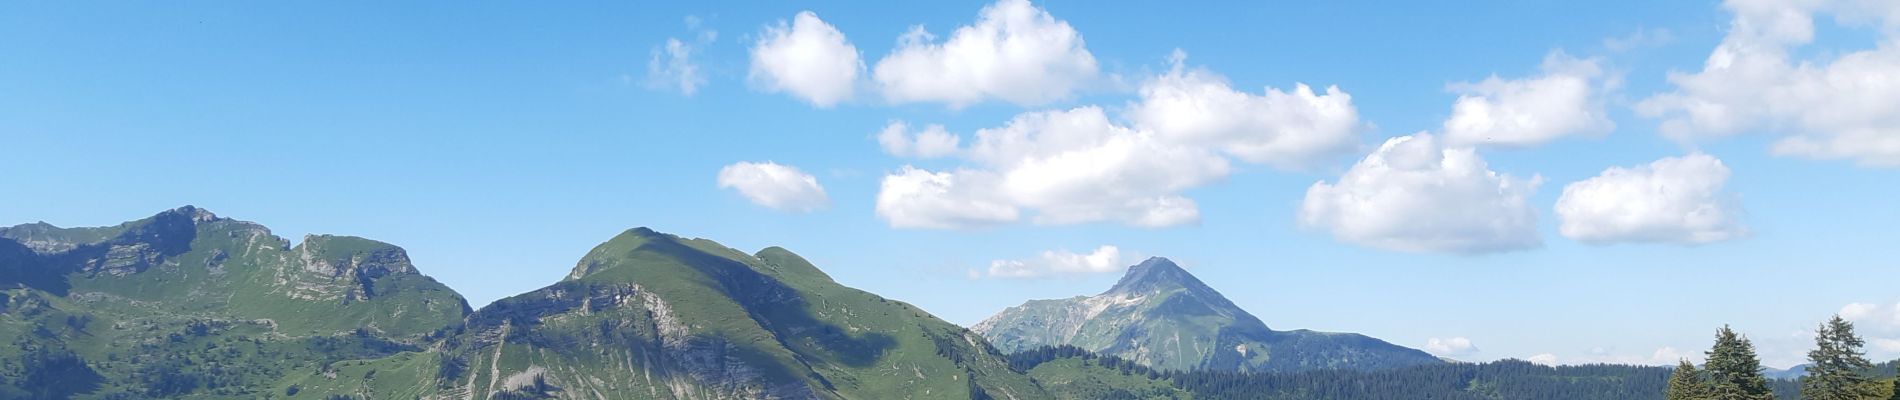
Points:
(1161, 316)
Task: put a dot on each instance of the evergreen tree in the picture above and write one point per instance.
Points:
(1837, 369)
(1894, 393)
(1686, 383)
(1734, 370)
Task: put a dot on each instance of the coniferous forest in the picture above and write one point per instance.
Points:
(1506, 379)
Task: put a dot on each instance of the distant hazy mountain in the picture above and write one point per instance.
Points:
(1161, 316)
(1794, 372)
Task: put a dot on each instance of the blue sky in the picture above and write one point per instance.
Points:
(497, 143)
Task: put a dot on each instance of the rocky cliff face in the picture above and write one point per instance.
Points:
(1164, 317)
(342, 267)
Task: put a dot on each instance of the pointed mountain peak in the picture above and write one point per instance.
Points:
(1155, 264)
(641, 236)
(628, 241)
(1156, 272)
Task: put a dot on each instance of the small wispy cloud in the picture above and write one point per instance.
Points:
(1639, 39)
(671, 65)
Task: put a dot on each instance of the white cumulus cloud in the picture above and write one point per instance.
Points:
(1450, 347)
(1083, 165)
(933, 141)
(1105, 259)
(1415, 194)
(1066, 167)
(809, 59)
(1564, 100)
(1838, 106)
(1887, 316)
(1015, 52)
(1078, 166)
(915, 198)
(1873, 318)
(1673, 200)
(1878, 323)
(1285, 129)
(780, 187)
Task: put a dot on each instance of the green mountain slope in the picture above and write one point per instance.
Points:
(654, 316)
(1161, 316)
(187, 303)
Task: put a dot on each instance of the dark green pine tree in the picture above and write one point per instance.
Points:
(1837, 368)
(1734, 370)
(1686, 383)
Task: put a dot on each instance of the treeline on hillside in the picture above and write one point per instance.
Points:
(1837, 369)
(1507, 379)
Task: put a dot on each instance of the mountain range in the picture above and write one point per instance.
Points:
(187, 304)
